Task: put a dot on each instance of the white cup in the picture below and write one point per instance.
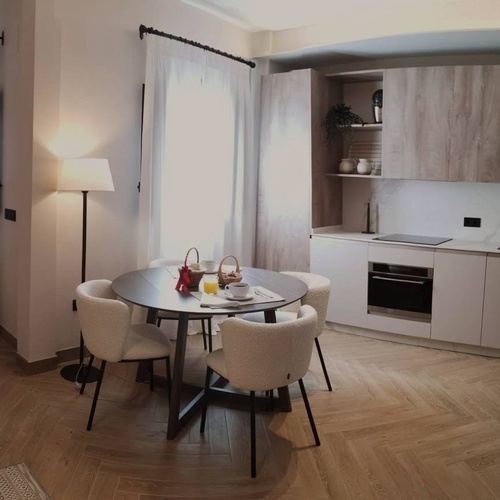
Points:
(209, 265)
(238, 290)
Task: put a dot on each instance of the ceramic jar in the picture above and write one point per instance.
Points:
(364, 166)
(347, 166)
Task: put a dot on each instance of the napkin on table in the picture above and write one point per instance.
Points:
(214, 302)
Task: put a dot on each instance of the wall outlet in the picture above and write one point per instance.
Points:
(10, 214)
(472, 222)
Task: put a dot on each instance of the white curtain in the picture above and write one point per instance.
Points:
(198, 183)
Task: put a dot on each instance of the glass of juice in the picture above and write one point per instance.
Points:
(210, 284)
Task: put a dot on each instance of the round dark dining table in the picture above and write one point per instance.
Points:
(154, 288)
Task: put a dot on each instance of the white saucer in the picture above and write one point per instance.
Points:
(248, 296)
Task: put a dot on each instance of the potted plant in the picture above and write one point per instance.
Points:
(339, 120)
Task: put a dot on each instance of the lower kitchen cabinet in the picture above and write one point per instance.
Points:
(465, 293)
(491, 313)
(458, 295)
(345, 263)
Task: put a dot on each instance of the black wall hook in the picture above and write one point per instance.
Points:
(2, 37)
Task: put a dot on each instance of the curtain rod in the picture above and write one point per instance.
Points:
(143, 29)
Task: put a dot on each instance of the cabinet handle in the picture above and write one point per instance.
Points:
(398, 280)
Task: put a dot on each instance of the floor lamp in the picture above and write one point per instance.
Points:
(84, 174)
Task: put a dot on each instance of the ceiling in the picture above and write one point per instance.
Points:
(276, 15)
(429, 44)
(273, 15)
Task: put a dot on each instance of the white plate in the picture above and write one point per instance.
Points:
(229, 296)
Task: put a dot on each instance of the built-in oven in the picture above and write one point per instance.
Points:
(400, 291)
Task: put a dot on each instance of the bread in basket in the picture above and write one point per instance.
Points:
(233, 276)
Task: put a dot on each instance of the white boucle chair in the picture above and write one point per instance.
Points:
(172, 316)
(317, 297)
(110, 335)
(263, 357)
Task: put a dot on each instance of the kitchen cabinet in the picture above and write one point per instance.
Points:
(475, 139)
(466, 289)
(345, 263)
(357, 89)
(417, 126)
(401, 255)
(458, 295)
(490, 336)
(294, 192)
(442, 123)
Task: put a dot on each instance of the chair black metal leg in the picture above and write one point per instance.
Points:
(323, 364)
(309, 412)
(204, 333)
(253, 457)
(96, 395)
(209, 335)
(87, 371)
(208, 377)
(270, 400)
(169, 376)
(151, 375)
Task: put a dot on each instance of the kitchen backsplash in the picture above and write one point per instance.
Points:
(431, 208)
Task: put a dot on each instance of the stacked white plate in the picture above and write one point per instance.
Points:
(365, 149)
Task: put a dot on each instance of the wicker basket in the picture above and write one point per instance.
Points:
(226, 278)
(195, 275)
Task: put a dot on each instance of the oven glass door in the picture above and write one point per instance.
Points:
(400, 295)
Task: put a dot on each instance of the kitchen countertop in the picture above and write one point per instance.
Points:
(461, 245)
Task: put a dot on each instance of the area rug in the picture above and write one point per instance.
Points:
(17, 482)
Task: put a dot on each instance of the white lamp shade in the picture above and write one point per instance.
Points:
(85, 174)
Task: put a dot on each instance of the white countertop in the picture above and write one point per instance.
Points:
(461, 245)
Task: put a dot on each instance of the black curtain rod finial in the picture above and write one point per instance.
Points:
(143, 29)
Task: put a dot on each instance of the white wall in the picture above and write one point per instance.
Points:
(18, 17)
(102, 71)
(86, 78)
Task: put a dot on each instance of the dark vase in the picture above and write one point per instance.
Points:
(377, 100)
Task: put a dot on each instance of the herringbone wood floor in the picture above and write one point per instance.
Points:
(403, 422)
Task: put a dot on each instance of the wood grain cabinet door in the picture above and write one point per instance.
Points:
(418, 105)
(294, 194)
(475, 137)
(284, 192)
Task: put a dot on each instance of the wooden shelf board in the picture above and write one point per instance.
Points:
(367, 126)
(361, 176)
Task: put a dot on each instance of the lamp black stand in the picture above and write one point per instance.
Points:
(78, 372)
